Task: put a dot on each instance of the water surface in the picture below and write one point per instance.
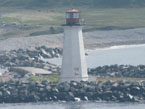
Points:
(74, 105)
(127, 54)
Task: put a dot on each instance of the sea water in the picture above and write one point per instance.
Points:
(74, 105)
(126, 54)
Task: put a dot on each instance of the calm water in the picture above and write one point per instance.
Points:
(127, 54)
(72, 105)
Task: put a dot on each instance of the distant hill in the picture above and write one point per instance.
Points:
(66, 3)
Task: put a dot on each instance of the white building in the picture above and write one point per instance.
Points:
(73, 62)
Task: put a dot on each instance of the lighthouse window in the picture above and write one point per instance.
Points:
(69, 15)
(76, 15)
(72, 15)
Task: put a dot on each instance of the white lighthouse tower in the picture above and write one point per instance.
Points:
(73, 62)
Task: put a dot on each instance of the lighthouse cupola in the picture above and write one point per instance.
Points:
(72, 17)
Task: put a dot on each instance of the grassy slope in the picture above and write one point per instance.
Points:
(63, 3)
(116, 18)
(34, 12)
(97, 17)
(50, 12)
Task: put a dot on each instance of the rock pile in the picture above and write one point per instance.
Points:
(121, 91)
(30, 58)
(27, 57)
(119, 71)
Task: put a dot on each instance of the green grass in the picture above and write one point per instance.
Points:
(55, 78)
(97, 18)
(115, 17)
(8, 19)
(51, 78)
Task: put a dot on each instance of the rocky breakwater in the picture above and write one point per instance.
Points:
(119, 71)
(121, 91)
(30, 58)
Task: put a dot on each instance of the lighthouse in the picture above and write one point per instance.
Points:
(74, 66)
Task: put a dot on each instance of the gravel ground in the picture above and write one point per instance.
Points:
(92, 40)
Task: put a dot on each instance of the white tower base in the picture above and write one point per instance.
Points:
(73, 62)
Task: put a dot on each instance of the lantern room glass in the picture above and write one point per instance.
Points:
(72, 15)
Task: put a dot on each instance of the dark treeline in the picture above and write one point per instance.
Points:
(60, 3)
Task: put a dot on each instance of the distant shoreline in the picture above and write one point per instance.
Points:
(92, 40)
